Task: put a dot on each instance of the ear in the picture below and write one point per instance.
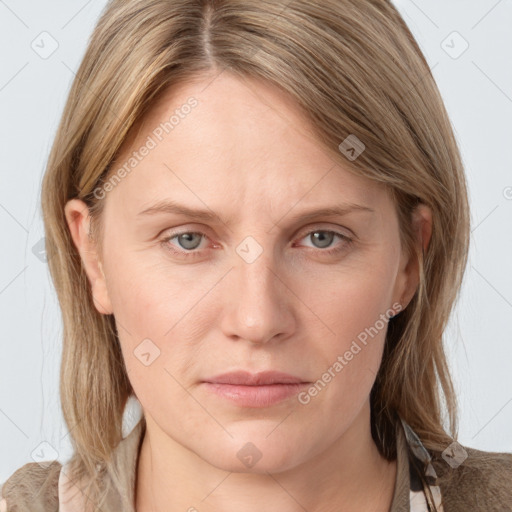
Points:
(78, 219)
(409, 272)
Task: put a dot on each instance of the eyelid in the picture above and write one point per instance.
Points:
(323, 227)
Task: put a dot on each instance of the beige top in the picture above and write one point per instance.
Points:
(486, 485)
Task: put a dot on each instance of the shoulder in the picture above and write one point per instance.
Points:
(33, 486)
(472, 479)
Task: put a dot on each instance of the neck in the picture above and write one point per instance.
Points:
(351, 476)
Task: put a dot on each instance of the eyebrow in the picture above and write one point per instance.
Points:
(172, 207)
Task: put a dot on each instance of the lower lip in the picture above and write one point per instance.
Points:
(255, 396)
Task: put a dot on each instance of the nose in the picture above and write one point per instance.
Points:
(260, 305)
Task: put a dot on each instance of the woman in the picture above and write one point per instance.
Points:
(259, 225)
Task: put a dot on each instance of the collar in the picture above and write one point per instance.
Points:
(119, 483)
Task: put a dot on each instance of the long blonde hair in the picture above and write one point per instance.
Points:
(354, 68)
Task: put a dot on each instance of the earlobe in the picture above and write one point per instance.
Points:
(79, 223)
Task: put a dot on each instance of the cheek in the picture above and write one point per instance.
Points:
(352, 299)
(351, 325)
(160, 317)
(140, 298)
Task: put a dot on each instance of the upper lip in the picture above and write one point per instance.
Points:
(255, 379)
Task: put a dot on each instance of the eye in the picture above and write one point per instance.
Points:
(188, 240)
(323, 239)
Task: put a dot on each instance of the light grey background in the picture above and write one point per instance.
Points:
(477, 89)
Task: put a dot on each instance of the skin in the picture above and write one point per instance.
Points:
(246, 154)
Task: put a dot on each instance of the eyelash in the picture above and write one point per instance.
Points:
(194, 252)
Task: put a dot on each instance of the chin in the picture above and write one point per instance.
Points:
(256, 453)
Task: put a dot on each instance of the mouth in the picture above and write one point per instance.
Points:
(262, 389)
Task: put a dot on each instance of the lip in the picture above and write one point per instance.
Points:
(261, 389)
(245, 378)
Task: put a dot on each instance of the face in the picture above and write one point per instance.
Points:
(252, 284)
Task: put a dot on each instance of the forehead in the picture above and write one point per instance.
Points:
(225, 141)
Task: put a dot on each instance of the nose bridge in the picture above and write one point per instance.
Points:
(260, 309)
